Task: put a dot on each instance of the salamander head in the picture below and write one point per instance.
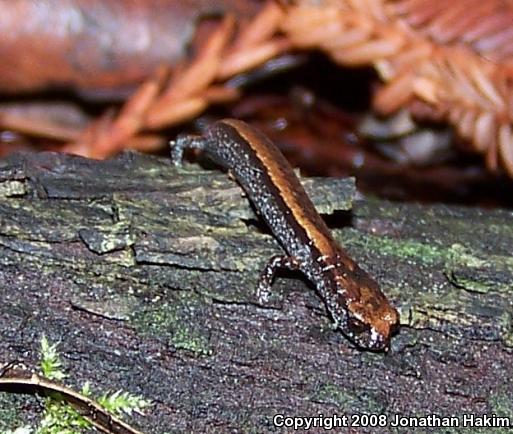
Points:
(368, 320)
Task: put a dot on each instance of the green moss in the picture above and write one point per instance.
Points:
(502, 404)
(59, 417)
(176, 321)
(333, 393)
(185, 338)
(428, 254)
(348, 403)
(10, 417)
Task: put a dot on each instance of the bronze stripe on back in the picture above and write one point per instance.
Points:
(288, 186)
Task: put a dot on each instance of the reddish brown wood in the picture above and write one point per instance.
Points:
(96, 45)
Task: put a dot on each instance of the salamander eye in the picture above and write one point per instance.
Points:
(357, 326)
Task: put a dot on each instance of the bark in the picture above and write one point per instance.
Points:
(145, 275)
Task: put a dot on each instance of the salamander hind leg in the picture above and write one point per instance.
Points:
(266, 277)
(182, 143)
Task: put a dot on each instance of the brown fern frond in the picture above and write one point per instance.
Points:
(450, 60)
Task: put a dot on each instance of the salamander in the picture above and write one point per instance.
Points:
(352, 297)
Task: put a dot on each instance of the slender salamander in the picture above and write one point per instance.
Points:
(352, 297)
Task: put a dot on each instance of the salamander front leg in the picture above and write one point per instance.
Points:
(182, 143)
(266, 277)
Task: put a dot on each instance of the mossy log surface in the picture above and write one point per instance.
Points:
(145, 275)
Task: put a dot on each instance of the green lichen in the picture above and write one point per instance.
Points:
(506, 323)
(12, 188)
(103, 240)
(479, 272)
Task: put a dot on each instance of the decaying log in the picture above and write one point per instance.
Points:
(145, 275)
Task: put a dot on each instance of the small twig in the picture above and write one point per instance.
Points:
(23, 381)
